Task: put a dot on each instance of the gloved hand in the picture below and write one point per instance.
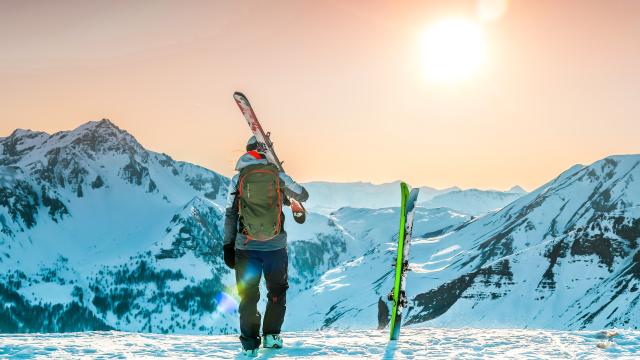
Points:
(229, 255)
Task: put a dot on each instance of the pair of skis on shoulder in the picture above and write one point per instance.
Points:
(266, 147)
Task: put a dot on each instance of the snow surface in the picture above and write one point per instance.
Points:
(414, 343)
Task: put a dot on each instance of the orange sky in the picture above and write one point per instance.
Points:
(339, 84)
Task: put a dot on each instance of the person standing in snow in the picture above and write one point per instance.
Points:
(255, 243)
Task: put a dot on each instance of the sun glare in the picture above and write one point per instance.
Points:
(453, 50)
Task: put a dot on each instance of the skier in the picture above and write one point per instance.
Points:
(255, 242)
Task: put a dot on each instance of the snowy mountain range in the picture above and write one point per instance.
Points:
(96, 232)
(473, 201)
(90, 219)
(565, 256)
(329, 197)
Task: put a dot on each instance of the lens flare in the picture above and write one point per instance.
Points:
(226, 303)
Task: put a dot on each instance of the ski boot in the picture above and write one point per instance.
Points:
(250, 353)
(272, 341)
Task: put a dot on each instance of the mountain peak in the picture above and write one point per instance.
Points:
(104, 124)
(102, 134)
(25, 133)
(517, 189)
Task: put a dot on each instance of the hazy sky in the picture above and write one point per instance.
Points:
(340, 84)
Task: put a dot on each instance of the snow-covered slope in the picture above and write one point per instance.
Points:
(426, 343)
(565, 256)
(97, 232)
(347, 295)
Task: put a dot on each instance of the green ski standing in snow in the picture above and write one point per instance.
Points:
(398, 296)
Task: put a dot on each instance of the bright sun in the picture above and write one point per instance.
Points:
(453, 49)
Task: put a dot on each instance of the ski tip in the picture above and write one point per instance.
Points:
(238, 96)
(404, 187)
(241, 100)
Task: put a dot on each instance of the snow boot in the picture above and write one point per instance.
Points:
(272, 341)
(250, 353)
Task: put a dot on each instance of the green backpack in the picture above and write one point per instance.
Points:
(260, 201)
